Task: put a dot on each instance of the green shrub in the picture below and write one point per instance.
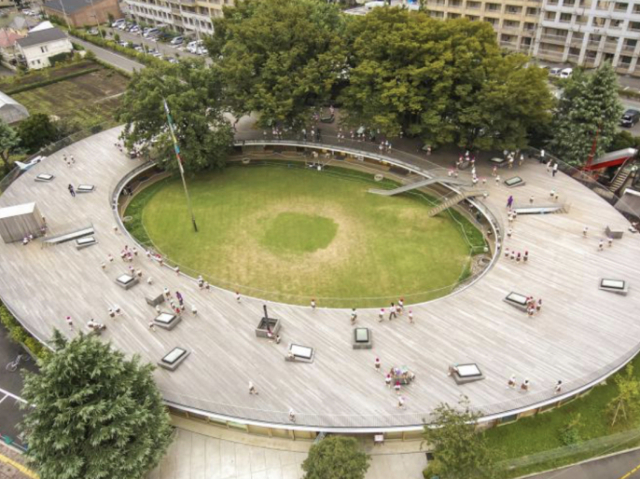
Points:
(570, 434)
(60, 58)
(50, 81)
(19, 335)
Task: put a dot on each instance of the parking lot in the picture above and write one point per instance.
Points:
(152, 45)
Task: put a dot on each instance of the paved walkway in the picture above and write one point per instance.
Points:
(12, 465)
(233, 455)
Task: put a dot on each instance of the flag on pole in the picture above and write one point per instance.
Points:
(176, 146)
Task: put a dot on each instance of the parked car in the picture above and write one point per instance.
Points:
(630, 118)
(566, 73)
(201, 51)
(176, 41)
(118, 22)
(157, 54)
(93, 31)
(134, 29)
(172, 60)
(555, 71)
(192, 47)
(151, 32)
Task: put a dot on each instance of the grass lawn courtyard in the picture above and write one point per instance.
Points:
(290, 234)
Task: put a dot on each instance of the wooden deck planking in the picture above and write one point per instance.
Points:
(579, 331)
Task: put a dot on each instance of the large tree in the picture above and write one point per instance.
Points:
(336, 457)
(9, 139)
(460, 452)
(36, 132)
(588, 114)
(278, 57)
(444, 81)
(93, 414)
(193, 94)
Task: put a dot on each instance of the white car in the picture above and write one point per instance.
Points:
(555, 71)
(566, 73)
(192, 47)
(118, 22)
(201, 51)
(176, 41)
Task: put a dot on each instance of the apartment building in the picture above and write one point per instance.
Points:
(581, 32)
(589, 32)
(186, 16)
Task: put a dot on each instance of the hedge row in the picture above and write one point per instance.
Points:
(19, 335)
(143, 58)
(51, 81)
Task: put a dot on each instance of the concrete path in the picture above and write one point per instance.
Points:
(197, 456)
(12, 465)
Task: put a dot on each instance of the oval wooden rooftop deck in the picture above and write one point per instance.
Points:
(580, 336)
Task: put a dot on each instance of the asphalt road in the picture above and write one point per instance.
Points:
(628, 103)
(621, 466)
(112, 58)
(10, 414)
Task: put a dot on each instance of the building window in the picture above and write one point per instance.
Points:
(621, 7)
(44, 49)
(550, 16)
(565, 17)
(492, 7)
(616, 23)
(533, 12)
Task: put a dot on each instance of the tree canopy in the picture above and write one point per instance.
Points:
(460, 452)
(9, 140)
(93, 413)
(36, 131)
(445, 81)
(336, 457)
(278, 57)
(588, 109)
(193, 94)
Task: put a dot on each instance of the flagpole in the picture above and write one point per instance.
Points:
(176, 148)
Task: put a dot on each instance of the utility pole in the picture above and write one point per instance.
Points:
(93, 9)
(176, 147)
(64, 13)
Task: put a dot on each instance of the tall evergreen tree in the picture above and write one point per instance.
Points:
(193, 93)
(589, 111)
(93, 414)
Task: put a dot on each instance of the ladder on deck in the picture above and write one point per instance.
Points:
(454, 200)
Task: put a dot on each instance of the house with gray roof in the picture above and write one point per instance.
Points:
(39, 46)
